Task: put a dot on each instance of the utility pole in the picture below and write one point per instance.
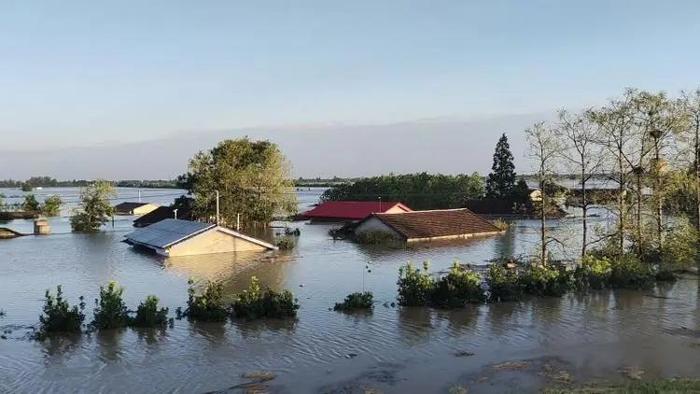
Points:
(217, 207)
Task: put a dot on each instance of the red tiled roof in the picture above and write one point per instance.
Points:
(350, 210)
(437, 223)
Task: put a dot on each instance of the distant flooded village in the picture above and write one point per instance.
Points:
(399, 283)
(359, 197)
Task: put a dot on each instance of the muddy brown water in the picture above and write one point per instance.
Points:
(509, 347)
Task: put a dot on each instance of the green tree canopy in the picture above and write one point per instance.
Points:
(30, 203)
(252, 178)
(501, 180)
(418, 191)
(52, 206)
(95, 208)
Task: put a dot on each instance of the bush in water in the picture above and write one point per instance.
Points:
(59, 316)
(149, 315)
(286, 242)
(630, 272)
(355, 301)
(207, 306)
(545, 280)
(503, 283)
(110, 309)
(459, 287)
(255, 303)
(415, 285)
(593, 273)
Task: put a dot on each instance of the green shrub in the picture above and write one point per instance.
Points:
(255, 303)
(286, 242)
(208, 306)
(459, 287)
(110, 309)
(30, 203)
(680, 248)
(593, 273)
(501, 224)
(415, 285)
(375, 238)
(149, 315)
(630, 272)
(355, 301)
(59, 316)
(503, 283)
(545, 280)
(52, 206)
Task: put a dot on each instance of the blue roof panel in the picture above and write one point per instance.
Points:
(167, 232)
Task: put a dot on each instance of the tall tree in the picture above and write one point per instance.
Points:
(583, 155)
(615, 126)
(544, 146)
(658, 119)
(501, 181)
(94, 209)
(690, 137)
(252, 179)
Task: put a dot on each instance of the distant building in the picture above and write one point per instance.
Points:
(134, 208)
(174, 237)
(428, 225)
(352, 210)
(162, 213)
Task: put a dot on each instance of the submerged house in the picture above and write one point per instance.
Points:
(428, 225)
(340, 211)
(162, 213)
(134, 208)
(174, 237)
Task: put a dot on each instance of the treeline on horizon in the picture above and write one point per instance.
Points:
(46, 181)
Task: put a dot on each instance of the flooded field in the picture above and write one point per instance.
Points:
(509, 347)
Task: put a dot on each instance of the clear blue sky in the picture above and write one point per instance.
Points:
(81, 72)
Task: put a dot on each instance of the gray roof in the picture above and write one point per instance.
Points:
(167, 232)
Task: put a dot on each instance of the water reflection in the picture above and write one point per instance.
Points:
(109, 344)
(415, 325)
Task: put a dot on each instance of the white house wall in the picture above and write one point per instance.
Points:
(212, 241)
(373, 225)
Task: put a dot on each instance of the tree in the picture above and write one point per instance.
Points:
(614, 123)
(657, 119)
(501, 180)
(418, 191)
(52, 206)
(95, 209)
(583, 155)
(30, 203)
(690, 137)
(252, 178)
(544, 147)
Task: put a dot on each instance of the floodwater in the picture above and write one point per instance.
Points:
(509, 347)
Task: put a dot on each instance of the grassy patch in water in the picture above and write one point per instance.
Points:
(355, 301)
(641, 387)
(456, 289)
(255, 303)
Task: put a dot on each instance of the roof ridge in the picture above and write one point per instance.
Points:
(427, 210)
